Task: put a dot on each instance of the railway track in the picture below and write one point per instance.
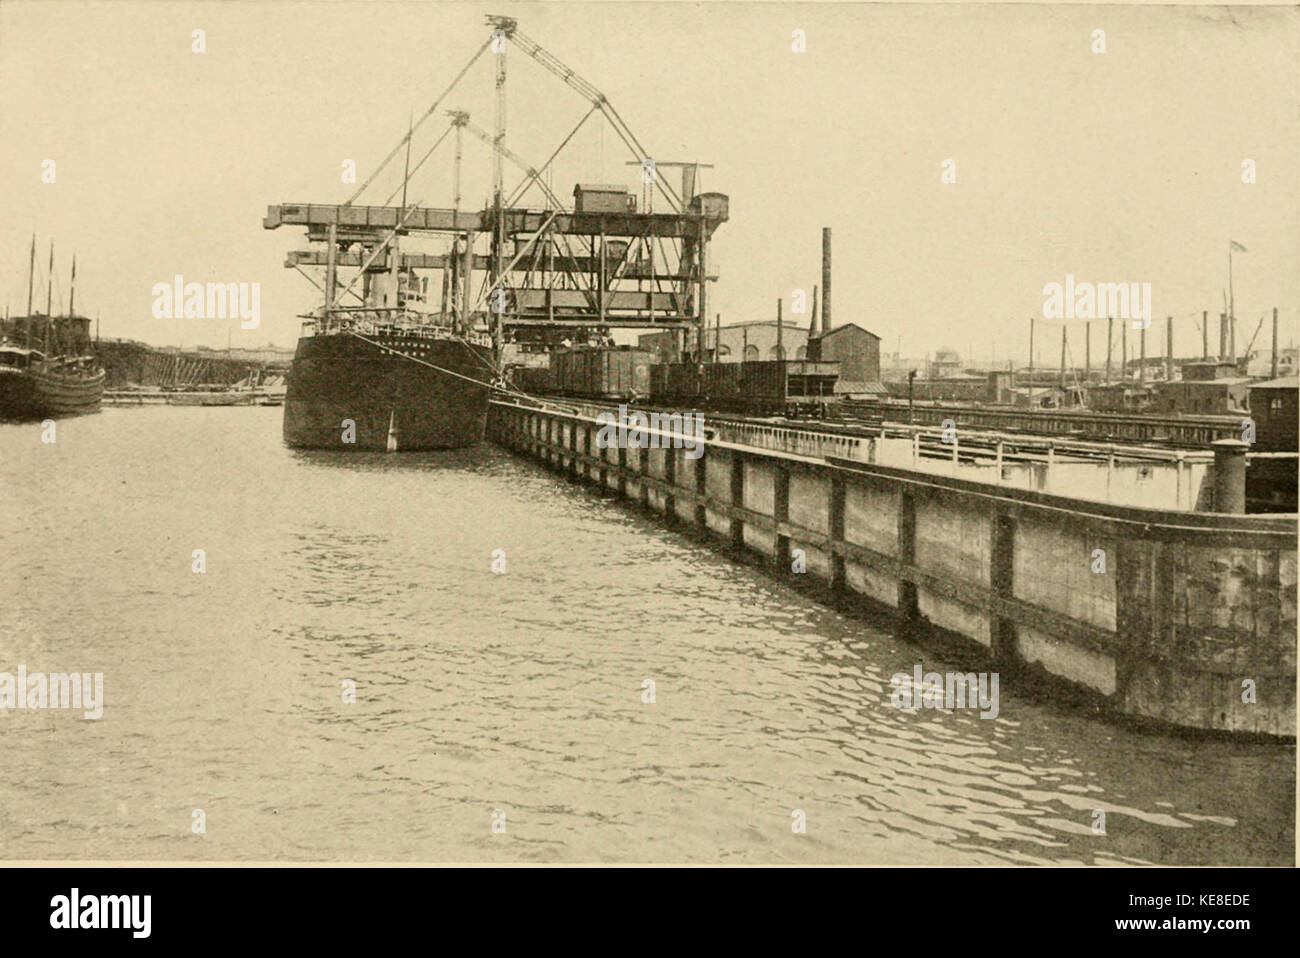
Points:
(1192, 432)
(848, 417)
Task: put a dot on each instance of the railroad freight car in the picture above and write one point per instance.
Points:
(770, 388)
(812, 381)
(603, 372)
(723, 382)
(788, 387)
(533, 380)
(675, 383)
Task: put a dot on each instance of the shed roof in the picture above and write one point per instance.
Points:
(1282, 382)
(844, 326)
(861, 388)
(1205, 383)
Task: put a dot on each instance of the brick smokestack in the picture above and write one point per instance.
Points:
(826, 280)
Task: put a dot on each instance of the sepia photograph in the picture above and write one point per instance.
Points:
(648, 433)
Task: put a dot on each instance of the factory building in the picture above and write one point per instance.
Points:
(738, 343)
(1273, 408)
(858, 352)
(1211, 388)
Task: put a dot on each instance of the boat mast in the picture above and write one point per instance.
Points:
(504, 27)
(452, 299)
(72, 299)
(31, 273)
(49, 298)
(406, 170)
(395, 249)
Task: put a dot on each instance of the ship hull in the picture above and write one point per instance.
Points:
(27, 394)
(348, 394)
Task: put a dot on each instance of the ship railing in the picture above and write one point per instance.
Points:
(390, 321)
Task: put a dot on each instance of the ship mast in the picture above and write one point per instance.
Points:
(72, 299)
(451, 281)
(395, 250)
(505, 27)
(49, 299)
(406, 170)
(31, 273)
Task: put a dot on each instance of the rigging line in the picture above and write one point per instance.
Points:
(517, 257)
(1074, 369)
(415, 359)
(541, 400)
(502, 386)
(495, 370)
(380, 248)
(436, 144)
(580, 277)
(322, 288)
(534, 264)
(500, 149)
(640, 155)
(559, 206)
(459, 76)
(517, 193)
(587, 90)
(669, 193)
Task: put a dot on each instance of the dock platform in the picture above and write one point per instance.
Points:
(1183, 618)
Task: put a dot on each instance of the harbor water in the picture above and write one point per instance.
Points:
(507, 715)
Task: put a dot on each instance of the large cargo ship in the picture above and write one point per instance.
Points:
(387, 380)
(392, 365)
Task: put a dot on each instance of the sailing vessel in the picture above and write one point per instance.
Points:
(60, 379)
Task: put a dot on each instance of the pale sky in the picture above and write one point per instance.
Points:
(1117, 167)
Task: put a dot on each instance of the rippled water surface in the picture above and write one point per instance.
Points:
(519, 692)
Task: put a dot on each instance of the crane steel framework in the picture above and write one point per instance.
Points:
(545, 275)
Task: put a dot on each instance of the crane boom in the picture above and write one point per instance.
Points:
(512, 157)
(584, 88)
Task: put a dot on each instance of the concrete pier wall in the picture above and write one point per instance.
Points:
(1177, 482)
(1181, 617)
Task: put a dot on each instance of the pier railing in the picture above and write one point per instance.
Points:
(1104, 472)
(1196, 430)
(1187, 618)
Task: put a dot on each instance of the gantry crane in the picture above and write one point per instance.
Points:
(531, 276)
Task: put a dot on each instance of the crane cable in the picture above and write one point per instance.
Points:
(500, 385)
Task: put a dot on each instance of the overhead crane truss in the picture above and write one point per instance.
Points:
(547, 272)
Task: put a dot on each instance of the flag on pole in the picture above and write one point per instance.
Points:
(1233, 244)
